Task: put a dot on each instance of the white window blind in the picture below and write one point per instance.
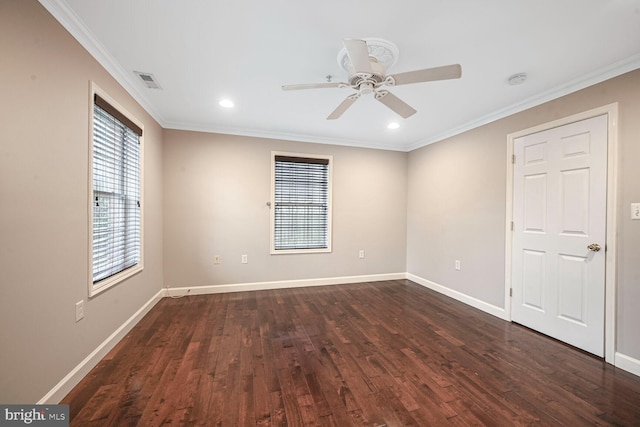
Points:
(301, 203)
(116, 191)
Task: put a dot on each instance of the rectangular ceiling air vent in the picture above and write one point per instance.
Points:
(148, 79)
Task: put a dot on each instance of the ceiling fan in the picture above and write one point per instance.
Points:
(367, 74)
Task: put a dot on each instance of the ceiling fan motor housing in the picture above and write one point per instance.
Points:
(366, 81)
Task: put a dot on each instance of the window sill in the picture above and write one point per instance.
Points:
(109, 282)
(300, 251)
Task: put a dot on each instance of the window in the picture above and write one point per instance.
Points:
(116, 196)
(301, 203)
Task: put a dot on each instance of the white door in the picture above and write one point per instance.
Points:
(559, 212)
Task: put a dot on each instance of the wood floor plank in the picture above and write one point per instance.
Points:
(369, 354)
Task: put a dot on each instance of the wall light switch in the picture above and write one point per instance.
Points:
(361, 254)
(245, 259)
(635, 210)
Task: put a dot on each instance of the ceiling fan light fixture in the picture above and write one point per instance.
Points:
(226, 103)
(393, 125)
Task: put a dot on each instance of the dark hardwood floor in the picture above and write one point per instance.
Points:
(374, 354)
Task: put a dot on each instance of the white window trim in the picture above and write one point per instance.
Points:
(272, 204)
(103, 285)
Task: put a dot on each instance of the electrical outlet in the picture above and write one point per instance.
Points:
(361, 254)
(216, 259)
(245, 259)
(79, 310)
(457, 264)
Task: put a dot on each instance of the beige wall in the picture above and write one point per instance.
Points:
(206, 194)
(457, 202)
(456, 211)
(216, 190)
(44, 113)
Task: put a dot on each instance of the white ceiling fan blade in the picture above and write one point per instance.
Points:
(344, 105)
(359, 55)
(429, 74)
(314, 86)
(396, 104)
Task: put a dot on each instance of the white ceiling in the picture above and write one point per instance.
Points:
(201, 51)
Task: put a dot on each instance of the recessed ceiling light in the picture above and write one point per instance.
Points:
(226, 103)
(393, 125)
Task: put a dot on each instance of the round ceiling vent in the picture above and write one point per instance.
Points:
(385, 52)
(517, 79)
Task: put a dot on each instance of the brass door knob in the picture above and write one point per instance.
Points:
(594, 247)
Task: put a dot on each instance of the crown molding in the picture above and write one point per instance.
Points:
(72, 23)
(613, 70)
(260, 133)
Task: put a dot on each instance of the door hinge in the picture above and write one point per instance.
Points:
(512, 226)
(513, 159)
(510, 292)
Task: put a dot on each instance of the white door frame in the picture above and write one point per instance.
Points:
(611, 110)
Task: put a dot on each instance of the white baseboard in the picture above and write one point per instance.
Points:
(469, 300)
(57, 393)
(66, 384)
(622, 361)
(60, 390)
(282, 284)
(627, 363)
